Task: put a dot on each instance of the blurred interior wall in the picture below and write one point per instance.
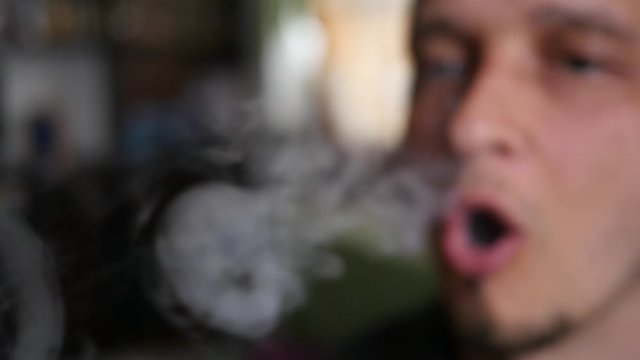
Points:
(294, 49)
(366, 71)
(342, 62)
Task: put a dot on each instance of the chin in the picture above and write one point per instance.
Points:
(493, 328)
(495, 338)
(493, 322)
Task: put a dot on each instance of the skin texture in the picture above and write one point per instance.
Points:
(538, 104)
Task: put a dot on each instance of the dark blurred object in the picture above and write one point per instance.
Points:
(31, 315)
(187, 26)
(416, 336)
(286, 350)
(33, 22)
(43, 135)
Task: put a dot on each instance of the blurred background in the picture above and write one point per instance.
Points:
(112, 110)
(117, 79)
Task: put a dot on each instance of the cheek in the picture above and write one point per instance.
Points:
(590, 157)
(594, 197)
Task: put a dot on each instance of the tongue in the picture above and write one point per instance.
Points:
(485, 228)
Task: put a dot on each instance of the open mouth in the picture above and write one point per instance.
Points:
(479, 238)
(485, 228)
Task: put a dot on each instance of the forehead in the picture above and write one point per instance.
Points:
(478, 14)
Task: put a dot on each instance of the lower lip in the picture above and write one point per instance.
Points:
(471, 260)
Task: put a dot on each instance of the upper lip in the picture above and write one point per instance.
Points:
(460, 252)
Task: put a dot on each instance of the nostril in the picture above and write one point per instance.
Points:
(502, 149)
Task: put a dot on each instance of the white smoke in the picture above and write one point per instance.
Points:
(239, 259)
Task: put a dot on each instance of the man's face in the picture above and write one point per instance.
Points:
(538, 103)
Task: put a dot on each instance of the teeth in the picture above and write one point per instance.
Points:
(484, 227)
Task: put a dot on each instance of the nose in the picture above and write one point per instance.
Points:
(488, 119)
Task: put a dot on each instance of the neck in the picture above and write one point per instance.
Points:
(612, 335)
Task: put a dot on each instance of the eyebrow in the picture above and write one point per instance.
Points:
(585, 21)
(438, 27)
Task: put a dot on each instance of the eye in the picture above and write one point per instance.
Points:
(581, 64)
(447, 69)
(442, 59)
